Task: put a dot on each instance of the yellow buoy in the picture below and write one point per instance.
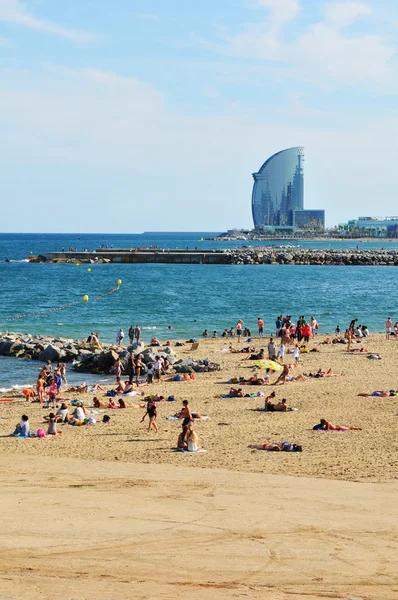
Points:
(77, 264)
(119, 282)
(89, 270)
(85, 298)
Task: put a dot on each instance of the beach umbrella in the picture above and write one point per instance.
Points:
(268, 364)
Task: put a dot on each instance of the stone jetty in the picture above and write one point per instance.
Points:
(294, 255)
(86, 359)
(281, 255)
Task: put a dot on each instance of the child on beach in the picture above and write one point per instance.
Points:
(296, 353)
(149, 378)
(281, 353)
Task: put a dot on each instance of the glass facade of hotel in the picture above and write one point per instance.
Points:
(279, 189)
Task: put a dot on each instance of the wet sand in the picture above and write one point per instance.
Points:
(105, 530)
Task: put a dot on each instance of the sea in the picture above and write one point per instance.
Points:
(176, 301)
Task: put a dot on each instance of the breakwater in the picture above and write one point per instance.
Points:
(238, 256)
(85, 358)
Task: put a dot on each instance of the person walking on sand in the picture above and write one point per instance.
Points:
(388, 328)
(151, 411)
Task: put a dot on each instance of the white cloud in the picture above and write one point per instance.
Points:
(282, 10)
(122, 129)
(13, 11)
(323, 53)
(342, 14)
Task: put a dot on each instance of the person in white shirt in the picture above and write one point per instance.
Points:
(296, 353)
(157, 368)
(281, 353)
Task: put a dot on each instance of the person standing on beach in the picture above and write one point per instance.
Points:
(260, 325)
(278, 325)
(239, 330)
(314, 325)
(131, 334)
(120, 337)
(271, 349)
(281, 353)
(388, 328)
(296, 354)
(137, 333)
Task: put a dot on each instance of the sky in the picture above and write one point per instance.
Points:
(137, 115)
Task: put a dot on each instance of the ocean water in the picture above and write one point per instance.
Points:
(176, 301)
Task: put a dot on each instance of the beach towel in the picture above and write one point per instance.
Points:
(200, 451)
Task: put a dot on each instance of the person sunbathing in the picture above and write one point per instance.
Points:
(321, 373)
(324, 425)
(79, 388)
(123, 404)
(380, 393)
(99, 403)
(359, 350)
(259, 356)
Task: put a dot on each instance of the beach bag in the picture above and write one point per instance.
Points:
(297, 448)
(110, 393)
(41, 433)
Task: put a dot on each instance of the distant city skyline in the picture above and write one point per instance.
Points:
(147, 115)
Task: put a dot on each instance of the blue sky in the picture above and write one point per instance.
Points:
(138, 115)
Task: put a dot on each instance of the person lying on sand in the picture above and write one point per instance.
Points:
(247, 350)
(380, 393)
(277, 447)
(359, 350)
(324, 425)
(259, 356)
(182, 377)
(123, 404)
(285, 376)
(79, 388)
(322, 373)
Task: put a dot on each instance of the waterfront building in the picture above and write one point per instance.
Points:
(309, 219)
(278, 193)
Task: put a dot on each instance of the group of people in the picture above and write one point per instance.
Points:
(48, 384)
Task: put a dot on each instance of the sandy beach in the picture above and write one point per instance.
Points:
(110, 511)
(367, 455)
(104, 530)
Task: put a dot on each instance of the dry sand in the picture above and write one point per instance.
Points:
(370, 454)
(95, 515)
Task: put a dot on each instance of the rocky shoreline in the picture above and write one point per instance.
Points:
(86, 359)
(302, 256)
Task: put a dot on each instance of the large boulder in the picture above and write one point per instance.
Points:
(106, 360)
(52, 353)
(137, 347)
(5, 348)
